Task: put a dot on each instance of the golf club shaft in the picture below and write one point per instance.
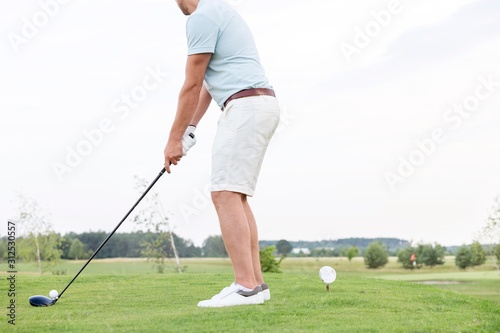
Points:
(114, 230)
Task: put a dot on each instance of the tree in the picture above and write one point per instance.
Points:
(490, 233)
(375, 255)
(44, 249)
(76, 250)
(463, 257)
(340, 252)
(66, 245)
(432, 255)
(191, 250)
(322, 252)
(478, 255)
(284, 247)
(40, 243)
(496, 252)
(155, 249)
(154, 219)
(92, 240)
(404, 257)
(268, 262)
(213, 247)
(3, 248)
(352, 252)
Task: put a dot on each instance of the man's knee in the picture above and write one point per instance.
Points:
(221, 197)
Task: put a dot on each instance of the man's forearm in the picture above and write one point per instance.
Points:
(186, 109)
(203, 104)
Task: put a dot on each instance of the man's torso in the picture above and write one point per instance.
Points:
(214, 27)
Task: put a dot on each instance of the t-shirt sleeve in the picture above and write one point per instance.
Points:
(201, 35)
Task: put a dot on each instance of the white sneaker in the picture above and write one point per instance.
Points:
(234, 295)
(266, 292)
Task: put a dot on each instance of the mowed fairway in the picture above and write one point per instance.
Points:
(124, 301)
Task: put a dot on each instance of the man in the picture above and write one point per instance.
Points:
(223, 64)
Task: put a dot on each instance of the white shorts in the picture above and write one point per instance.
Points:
(244, 130)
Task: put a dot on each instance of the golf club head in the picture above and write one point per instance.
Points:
(40, 300)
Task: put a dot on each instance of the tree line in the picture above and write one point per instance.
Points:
(333, 248)
(132, 245)
(126, 245)
(430, 255)
(52, 247)
(376, 254)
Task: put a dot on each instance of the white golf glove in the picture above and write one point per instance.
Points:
(188, 139)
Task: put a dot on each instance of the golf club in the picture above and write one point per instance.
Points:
(40, 300)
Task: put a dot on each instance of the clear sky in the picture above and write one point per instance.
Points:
(390, 116)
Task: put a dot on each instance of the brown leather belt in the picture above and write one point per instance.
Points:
(250, 92)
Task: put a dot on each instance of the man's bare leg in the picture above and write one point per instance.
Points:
(254, 242)
(237, 235)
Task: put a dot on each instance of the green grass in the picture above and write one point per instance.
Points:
(485, 284)
(134, 266)
(127, 296)
(167, 303)
(483, 281)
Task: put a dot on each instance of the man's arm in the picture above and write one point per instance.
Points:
(187, 106)
(203, 104)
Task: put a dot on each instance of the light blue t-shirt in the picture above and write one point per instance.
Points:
(214, 27)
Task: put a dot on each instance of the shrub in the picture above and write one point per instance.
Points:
(496, 252)
(404, 257)
(268, 262)
(463, 257)
(432, 255)
(478, 255)
(375, 255)
(352, 252)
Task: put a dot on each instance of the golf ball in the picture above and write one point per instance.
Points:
(53, 294)
(327, 274)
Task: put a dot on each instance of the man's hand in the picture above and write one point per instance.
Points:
(188, 139)
(174, 150)
(173, 153)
